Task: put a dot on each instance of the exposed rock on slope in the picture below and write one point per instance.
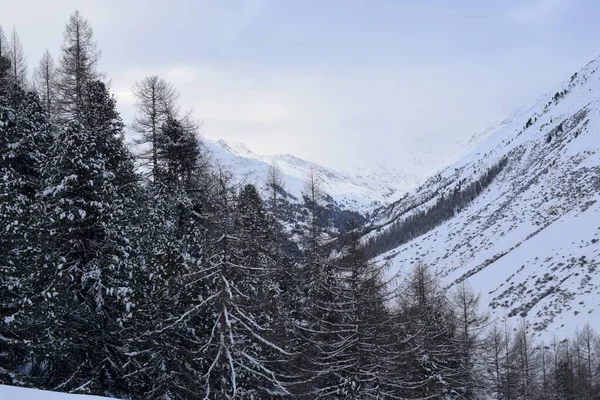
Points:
(530, 240)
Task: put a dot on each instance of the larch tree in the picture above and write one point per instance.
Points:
(275, 183)
(510, 378)
(239, 350)
(4, 64)
(470, 326)
(3, 43)
(495, 347)
(545, 357)
(156, 101)
(525, 361)
(77, 66)
(45, 80)
(315, 319)
(434, 369)
(313, 198)
(358, 353)
(16, 55)
(589, 373)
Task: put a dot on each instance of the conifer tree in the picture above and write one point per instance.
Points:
(434, 365)
(495, 345)
(525, 361)
(169, 290)
(589, 346)
(156, 101)
(77, 66)
(275, 184)
(83, 282)
(3, 44)
(358, 353)
(18, 62)
(45, 80)
(240, 351)
(177, 152)
(470, 325)
(24, 139)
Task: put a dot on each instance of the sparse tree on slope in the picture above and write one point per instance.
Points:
(434, 369)
(470, 325)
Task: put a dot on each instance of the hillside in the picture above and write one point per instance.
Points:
(362, 191)
(529, 239)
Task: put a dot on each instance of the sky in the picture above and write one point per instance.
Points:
(343, 83)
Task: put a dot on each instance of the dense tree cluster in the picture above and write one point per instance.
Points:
(417, 223)
(156, 277)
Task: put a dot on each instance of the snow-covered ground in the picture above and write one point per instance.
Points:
(531, 241)
(17, 393)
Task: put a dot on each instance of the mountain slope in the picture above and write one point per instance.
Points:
(361, 192)
(529, 240)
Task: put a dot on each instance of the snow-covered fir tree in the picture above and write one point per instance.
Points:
(84, 276)
(24, 139)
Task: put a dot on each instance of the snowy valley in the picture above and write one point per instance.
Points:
(509, 241)
(178, 267)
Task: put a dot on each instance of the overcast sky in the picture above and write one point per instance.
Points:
(337, 82)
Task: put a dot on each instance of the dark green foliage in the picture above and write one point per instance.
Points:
(83, 278)
(418, 223)
(24, 137)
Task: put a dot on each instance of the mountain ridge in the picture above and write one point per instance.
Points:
(529, 240)
(356, 192)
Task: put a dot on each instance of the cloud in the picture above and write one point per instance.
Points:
(291, 79)
(328, 115)
(242, 17)
(538, 12)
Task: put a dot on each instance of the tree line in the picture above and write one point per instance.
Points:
(155, 276)
(420, 222)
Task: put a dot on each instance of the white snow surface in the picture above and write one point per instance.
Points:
(363, 190)
(530, 243)
(18, 393)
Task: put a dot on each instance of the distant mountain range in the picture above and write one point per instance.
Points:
(363, 191)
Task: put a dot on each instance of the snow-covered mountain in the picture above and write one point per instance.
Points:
(530, 241)
(361, 191)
